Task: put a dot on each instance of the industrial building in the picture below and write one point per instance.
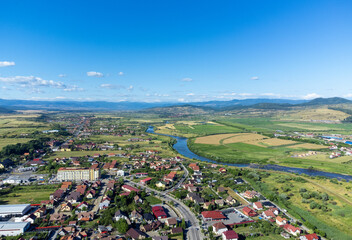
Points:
(78, 174)
(13, 228)
(15, 210)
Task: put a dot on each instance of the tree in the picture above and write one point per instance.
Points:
(122, 226)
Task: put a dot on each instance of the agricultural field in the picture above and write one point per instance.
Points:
(7, 141)
(254, 139)
(325, 203)
(214, 139)
(194, 129)
(271, 124)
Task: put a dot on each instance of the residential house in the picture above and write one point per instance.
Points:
(295, 231)
(249, 212)
(154, 226)
(135, 234)
(229, 235)
(74, 197)
(120, 215)
(171, 222)
(258, 206)
(219, 202)
(219, 228)
(230, 200)
(281, 221)
(66, 207)
(40, 212)
(312, 236)
(136, 216)
(176, 230)
(85, 216)
(268, 214)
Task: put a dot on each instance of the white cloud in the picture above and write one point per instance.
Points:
(186, 79)
(130, 88)
(95, 74)
(62, 75)
(255, 78)
(181, 99)
(6, 64)
(121, 73)
(32, 81)
(349, 95)
(311, 96)
(190, 94)
(74, 88)
(107, 85)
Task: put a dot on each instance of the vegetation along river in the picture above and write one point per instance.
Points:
(181, 147)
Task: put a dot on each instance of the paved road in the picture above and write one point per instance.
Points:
(100, 197)
(184, 177)
(193, 230)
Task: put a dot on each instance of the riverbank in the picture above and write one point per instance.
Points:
(182, 148)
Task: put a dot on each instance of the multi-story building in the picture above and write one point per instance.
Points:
(78, 174)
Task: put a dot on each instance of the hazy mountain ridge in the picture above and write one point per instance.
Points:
(258, 103)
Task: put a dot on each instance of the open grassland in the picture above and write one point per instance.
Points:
(213, 139)
(335, 221)
(27, 194)
(271, 124)
(78, 154)
(195, 129)
(316, 114)
(249, 153)
(9, 141)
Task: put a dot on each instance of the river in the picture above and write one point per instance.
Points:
(181, 147)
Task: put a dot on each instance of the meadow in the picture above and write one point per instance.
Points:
(327, 204)
(26, 194)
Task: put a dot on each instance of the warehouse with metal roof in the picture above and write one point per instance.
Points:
(13, 228)
(15, 210)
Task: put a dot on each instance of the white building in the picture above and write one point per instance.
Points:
(78, 174)
(13, 228)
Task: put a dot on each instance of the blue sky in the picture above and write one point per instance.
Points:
(179, 51)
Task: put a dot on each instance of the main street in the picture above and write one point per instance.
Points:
(193, 232)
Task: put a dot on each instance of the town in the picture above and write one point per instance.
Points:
(134, 187)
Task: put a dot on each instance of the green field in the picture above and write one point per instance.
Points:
(269, 125)
(26, 194)
(7, 141)
(334, 220)
(153, 200)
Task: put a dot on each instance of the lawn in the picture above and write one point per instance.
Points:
(26, 194)
(153, 200)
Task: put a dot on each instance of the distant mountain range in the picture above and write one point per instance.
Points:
(262, 103)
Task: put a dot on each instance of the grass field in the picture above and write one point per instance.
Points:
(334, 221)
(153, 200)
(308, 146)
(317, 114)
(271, 124)
(27, 194)
(8, 141)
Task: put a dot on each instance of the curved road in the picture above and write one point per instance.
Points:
(193, 232)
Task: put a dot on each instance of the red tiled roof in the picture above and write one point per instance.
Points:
(213, 215)
(312, 236)
(230, 234)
